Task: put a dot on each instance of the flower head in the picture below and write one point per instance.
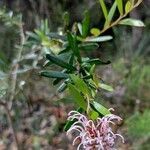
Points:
(96, 135)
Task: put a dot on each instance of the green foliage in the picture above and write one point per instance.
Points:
(73, 71)
(78, 74)
(138, 128)
(129, 6)
(132, 22)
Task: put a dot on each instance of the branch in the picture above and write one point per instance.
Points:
(16, 65)
(10, 120)
(120, 18)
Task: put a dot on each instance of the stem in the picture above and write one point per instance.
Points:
(10, 123)
(120, 18)
(16, 65)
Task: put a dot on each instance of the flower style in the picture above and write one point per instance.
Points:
(96, 135)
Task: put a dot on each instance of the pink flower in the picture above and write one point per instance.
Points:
(96, 135)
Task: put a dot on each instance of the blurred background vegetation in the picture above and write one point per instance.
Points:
(37, 112)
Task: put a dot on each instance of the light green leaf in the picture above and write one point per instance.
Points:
(85, 24)
(106, 87)
(66, 18)
(97, 61)
(95, 31)
(98, 39)
(78, 98)
(73, 45)
(132, 22)
(80, 28)
(128, 6)
(93, 115)
(101, 109)
(120, 6)
(111, 14)
(104, 9)
(80, 84)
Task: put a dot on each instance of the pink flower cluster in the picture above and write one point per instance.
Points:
(96, 135)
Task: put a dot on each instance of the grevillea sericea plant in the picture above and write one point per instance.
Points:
(91, 120)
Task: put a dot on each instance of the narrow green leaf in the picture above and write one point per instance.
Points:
(71, 59)
(88, 46)
(92, 69)
(95, 31)
(97, 61)
(128, 6)
(56, 81)
(85, 24)
(78, 98)
(104, 9)
(73, 45)
(54, 74)
(66, 18)
(70, 122)
(80, 84)
(80, 28)
(106, 87)
(59, 62)
(47, 63)
(62, 87)
(111, 14)
(132, 22)
(33, 35)
(98, 39)
(101, 109)
(120, 6)
(54, 35)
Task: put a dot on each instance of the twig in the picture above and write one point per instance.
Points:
(120, 18)
(10, 123)
(16, 65)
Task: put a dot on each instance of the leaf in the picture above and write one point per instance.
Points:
(95, 31)
(33, 35)
(104, 9)
(106, 87)
(98, 39)
(59, 79)
(93, 115)
(132, 22)
(80, 84)
(111, 13)
(56, 81)
(128, 6)
(54, 74)
(71, 59)
(66, 18)
(54, 35)
(88, 46)
(97, 61)
(78, 98)
(62, 87)
(85, 24)
(101, 109)
(120, 6)
(73, 45)
(80, 28)
(70, 122)
(59, 62)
